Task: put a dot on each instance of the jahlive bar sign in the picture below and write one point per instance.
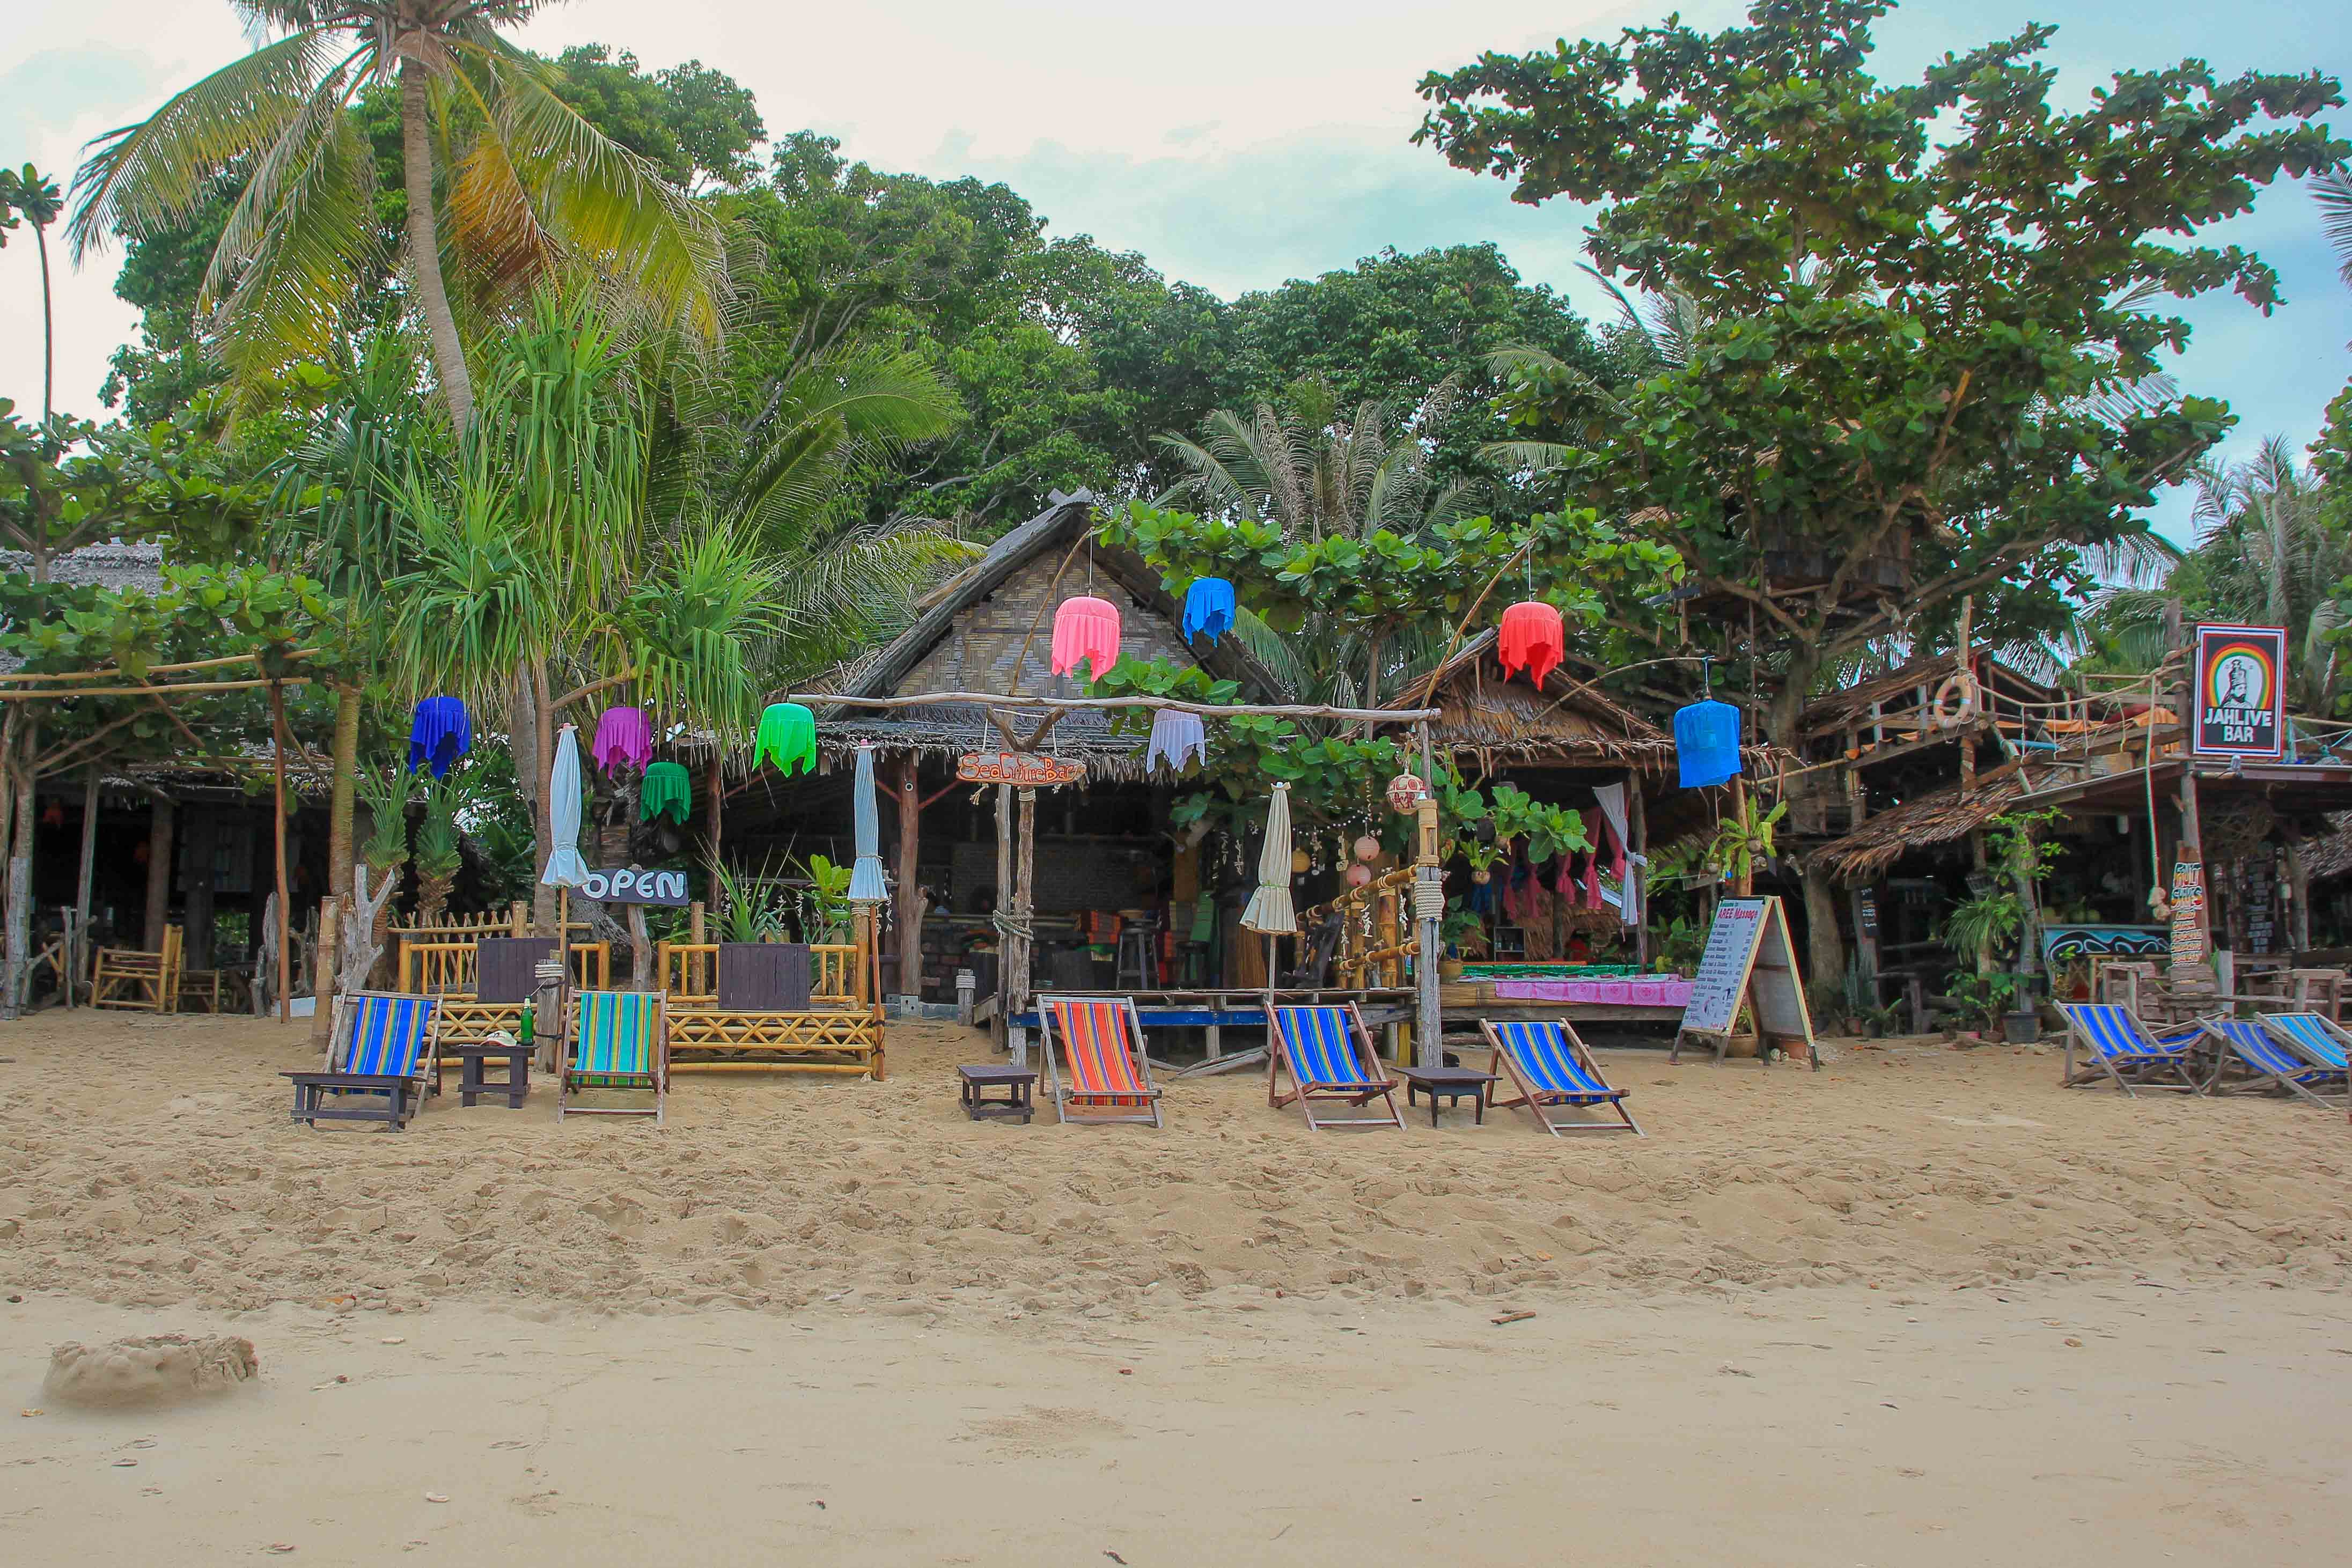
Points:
(2240, 693)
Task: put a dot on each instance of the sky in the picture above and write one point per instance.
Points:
(1251, 142)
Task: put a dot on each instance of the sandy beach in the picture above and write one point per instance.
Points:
(1921, 1307)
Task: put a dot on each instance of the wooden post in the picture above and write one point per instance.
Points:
(1967, 732)
(15, 983)
(1428, 887)
(698, 925)
(77, 955)
(159, 872)
(1017, 955)
(716, 791)
(1637, 877)
(910, 901)
(322, 970)
(2298, 894)
(285, 904)
(519, 916)
(1004, 910)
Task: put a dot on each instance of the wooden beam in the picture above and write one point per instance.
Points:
(108, 672)
(71, 693)
(159, 871)
(1104, 705)
(82, 883)
(285, 904)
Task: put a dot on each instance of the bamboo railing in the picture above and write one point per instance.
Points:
(1373, 949)
(446, 968)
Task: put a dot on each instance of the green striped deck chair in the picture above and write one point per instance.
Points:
(1110, 1076)
(380, 1063)
(1554, 1070)
(620, 1040)
(1328, 1054)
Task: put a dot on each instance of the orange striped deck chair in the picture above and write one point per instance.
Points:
(1110, 1076)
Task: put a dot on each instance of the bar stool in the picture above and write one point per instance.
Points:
(1137, 968)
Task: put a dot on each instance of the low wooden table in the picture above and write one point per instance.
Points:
(472, 1086)
(1449, 1084)
(1019, 1083)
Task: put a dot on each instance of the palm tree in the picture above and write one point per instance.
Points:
(2333, 190)
(529, 186)
(34, 195)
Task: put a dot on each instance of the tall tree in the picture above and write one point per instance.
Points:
(1913, 296)
(529, 185)
(30, 196)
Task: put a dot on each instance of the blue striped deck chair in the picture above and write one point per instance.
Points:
(2316, 1037)
(1551, 1067)
(380, 1063)
(619, 1040)
(2248, 1060)
(2124, 1052)
(1328, 1053)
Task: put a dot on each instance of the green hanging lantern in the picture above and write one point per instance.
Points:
(667, 791)
(787, 735)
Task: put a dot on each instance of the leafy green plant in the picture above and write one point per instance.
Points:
(1985, 997)
(1678, 943)
(825, 909)
(742, 908)
(386, 792)
(1977, 928)
(1743, 839)
(438, 853)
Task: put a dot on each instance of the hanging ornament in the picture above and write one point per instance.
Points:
(1085, 628)
(667, 791)
(1368, 849)
(1406, 792)
(1706, 743)
(1533, 639)
(787, 735)
(1358, 875)
(1176, 735)
(622, 735)
(1299, 863)
(1208, 609)
(439, 732)
(1482, 876)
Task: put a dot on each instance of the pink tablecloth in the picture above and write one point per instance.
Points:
(1662, 992)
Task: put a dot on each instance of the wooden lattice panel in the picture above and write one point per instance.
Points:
(848, 1042)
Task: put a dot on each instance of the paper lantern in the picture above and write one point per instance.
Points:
(1085, 628)
(1706, 743)
(1299, 862)
(1358, 875)
(439, 732)
(1176, 737)
(1406, 792)
(1368, 849)
(1208, 609)
(1533, 639)
(787, 736)
(622, 735)
(667, 791)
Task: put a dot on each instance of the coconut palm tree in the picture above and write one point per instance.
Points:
(500, 174)
(2333, 190)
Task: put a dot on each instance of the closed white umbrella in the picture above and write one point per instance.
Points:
(866, 883)
(564, 866)
(1269, 907)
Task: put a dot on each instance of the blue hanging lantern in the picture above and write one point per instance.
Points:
(439, 732)
(1706, 743)
(1208, 609)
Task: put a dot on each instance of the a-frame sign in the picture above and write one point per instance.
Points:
(1749, 957)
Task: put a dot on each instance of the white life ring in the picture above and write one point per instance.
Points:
(1960, 692)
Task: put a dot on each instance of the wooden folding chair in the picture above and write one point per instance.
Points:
(1328, 1052)
(619, 1040)
(2263, 1064)
(1553, 1068)
(2123, 1051)
(1108, 1067)
(381, 1064)
(132, 978)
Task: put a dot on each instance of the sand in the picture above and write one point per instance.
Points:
(1921, 1307)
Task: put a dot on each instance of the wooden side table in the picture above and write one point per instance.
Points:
(1449, 1084)
(1019, 1084)
(472, 1086)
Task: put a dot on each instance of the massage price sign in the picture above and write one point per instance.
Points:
(2240, 693)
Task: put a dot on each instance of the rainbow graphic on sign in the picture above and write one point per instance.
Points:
(2237, 690)
(2239, 674)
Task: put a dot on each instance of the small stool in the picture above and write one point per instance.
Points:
(472, 1086)
(1019, 1083)
(1138, 969)
(1449, 1084)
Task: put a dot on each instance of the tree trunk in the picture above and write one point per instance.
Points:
(341, 794)
(20, 883)
(1826, 952)
(159, 872)
(48, 330)
(425, 248)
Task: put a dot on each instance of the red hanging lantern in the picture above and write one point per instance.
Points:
(1533, 639)
(1085, 628)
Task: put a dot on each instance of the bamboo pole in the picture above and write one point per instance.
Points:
(285, 904)
(1244, 710)
(73, 693)
(78, 949)
(109, 673)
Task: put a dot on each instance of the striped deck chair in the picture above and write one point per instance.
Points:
(381, 1064)
(1110, 1076)
(1328, 1053)
(2123, 1051)
(2266, 1064)
(1551, 1066)
(620, 1040)
(2316, 1037)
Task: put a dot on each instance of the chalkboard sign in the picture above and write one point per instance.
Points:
(1749, 955)
(1865, 914)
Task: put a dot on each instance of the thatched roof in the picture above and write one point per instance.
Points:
(1940, 818)
(991, 629)
(1566, 723)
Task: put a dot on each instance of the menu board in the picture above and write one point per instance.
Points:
(1749, 955)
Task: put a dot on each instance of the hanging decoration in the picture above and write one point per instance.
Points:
(787, 736)
(1359, 875)
(1533, 639)
(564, 866)
(1176, 735)
(1209, 609)
(1706, 743)
(622, 735)
(1085, 628)
(1406, 792)
(667, 791)
(1368, 849)
(439, 732)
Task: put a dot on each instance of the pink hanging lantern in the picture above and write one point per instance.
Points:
(1368, 849)
(1359, 875)
(1085, 628)
(1533, 639)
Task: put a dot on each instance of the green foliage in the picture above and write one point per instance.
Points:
(437, 850)
(1986, 998)
(1921, 326)
(1979, 926)
(385, 790)
(1744, 839)
(825, 914)
(73, 484)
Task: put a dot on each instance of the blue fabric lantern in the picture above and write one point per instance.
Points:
(1706, 743)
(439, 732)
(1208, 609)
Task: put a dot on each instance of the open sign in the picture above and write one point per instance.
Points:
(625, 886)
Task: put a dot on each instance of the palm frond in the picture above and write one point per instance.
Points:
(2332, 191)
